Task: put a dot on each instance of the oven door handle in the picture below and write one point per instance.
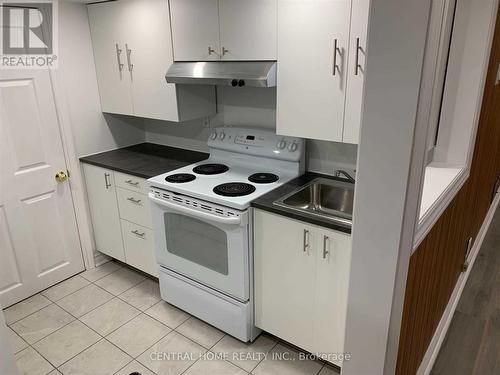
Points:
(195, 213)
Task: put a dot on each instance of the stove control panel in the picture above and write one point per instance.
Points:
(257, 142)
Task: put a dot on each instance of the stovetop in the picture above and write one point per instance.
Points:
(202, 186)
(243, 165)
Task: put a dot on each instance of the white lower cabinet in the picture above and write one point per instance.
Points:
(121, 217)
(139, 247)
(301, 283)
(101, 192)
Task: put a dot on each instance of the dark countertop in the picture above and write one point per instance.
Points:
(145, 160)
(265, 202)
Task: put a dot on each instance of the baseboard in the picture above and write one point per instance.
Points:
(100, 258)
(438, 338)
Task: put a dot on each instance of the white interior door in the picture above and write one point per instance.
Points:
(39, 243)
(248, 29)
(195, 29)
(311, 72)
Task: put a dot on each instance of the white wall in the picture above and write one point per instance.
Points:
(252, 107)
(92, 131)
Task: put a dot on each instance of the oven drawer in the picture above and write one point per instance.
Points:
(138, 242)
(134, 207)
(133, 183)
(219, 310)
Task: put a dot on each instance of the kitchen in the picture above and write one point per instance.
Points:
(219, 186)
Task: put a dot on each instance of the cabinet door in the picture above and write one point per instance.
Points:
(149, 50)
(195, 29)
(106, 25)
(356, 70)
(330, 301)
(311, 90)
(284, 262)
(248, 29)
(101, 193)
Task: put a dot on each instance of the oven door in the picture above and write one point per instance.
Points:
(202, 246)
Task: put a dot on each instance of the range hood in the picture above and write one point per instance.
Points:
(224, 73)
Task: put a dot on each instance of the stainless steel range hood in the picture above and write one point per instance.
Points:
(224, 73)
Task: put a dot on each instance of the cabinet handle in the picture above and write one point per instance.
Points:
(211, 50)
(135, 201)
(358, 67)
(106, 182)
(306, 240)
(325, 251)
(132, 183)
(224, 50)
(129, 59)
(336, 51)
(118, 57)
(138, 234)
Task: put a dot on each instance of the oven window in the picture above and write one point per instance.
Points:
(197, 241)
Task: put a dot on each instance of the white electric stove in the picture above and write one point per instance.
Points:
(203, 227)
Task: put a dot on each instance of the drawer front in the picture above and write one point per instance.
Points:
(139, 247)
(134, 207)
(133, 183)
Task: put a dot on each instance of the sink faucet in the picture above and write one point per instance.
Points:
(340, 173)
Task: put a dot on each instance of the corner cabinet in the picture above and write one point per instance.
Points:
(301, 283)
(204, 30)
(132, 52)
(121, 217)
(321, 58)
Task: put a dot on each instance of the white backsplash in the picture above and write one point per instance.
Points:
(252, 107)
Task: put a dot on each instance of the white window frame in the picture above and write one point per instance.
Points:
(461, 66)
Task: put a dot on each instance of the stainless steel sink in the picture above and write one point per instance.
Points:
(330, 199)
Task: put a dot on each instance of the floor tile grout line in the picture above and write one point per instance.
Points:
(69, 278)
(34, 312)
(119, 267)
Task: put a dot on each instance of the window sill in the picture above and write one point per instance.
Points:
(441, 184)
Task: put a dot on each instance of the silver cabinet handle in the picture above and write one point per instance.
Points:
(135, 201)
(138, 234)
(358, 67)
(118, 57)
(224, 50)
(325, 251)
(336, 51)
(306, 240)
(211, 50)
(106, 182)
(129, 59)
(132, 183)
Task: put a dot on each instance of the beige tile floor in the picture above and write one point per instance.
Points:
(111, 320)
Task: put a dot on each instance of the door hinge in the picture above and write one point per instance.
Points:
(468, 248)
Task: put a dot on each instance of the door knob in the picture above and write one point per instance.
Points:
(61, 176)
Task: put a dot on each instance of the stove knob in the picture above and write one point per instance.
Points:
(213, 136)
(281, 144)
(293, 147)
(222, 135)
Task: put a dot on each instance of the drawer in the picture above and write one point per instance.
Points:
(133, 183)
(138, 242)
(134, 207)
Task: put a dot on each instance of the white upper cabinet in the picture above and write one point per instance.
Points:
(195, 29)
(133, 50)
(248, 29)
(204, 30)
(319, 91)
(109, 54)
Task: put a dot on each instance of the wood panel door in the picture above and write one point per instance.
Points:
(39, 243)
